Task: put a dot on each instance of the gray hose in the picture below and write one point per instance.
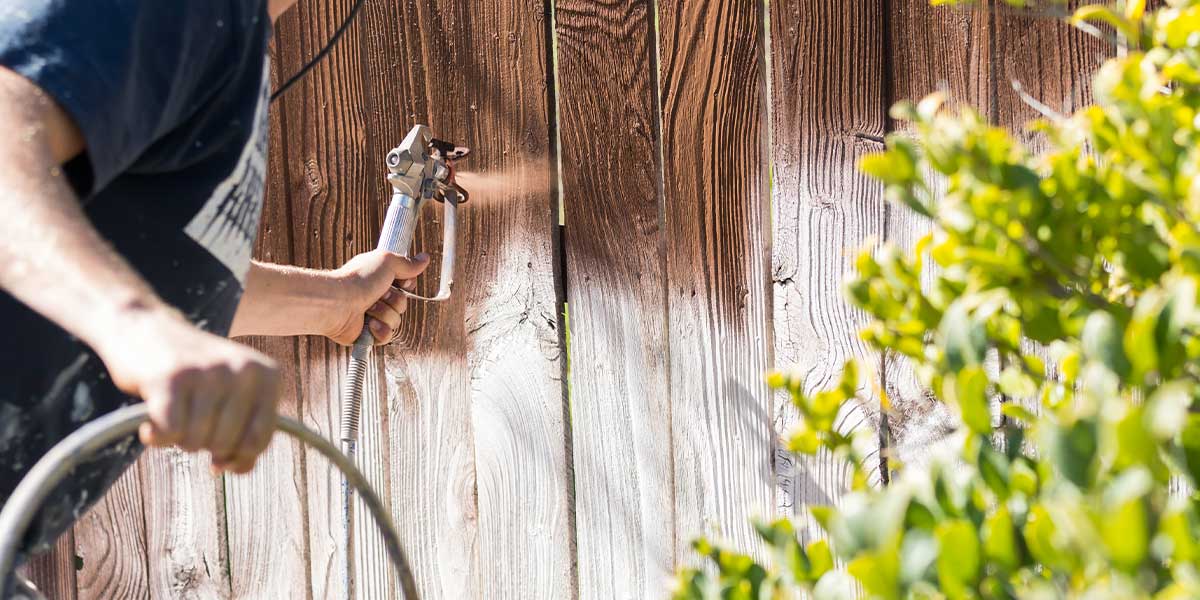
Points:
(97, 435)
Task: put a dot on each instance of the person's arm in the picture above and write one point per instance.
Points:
(204, 392)
(281, 300)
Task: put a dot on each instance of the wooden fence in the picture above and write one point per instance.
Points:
(703, 155)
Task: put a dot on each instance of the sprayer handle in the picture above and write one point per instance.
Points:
(449, 250)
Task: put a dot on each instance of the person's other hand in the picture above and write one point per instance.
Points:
(203, 392)
(368, 290)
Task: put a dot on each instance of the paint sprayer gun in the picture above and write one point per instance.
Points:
(420, 169)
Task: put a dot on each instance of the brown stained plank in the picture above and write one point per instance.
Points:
(620, 394)
(110, 541)
(1052, 61)
(336, 201)
(54, 571)
(931, 49)
(476, 416)
(268, 548)
(828, 95)
(185, 526)
(426, 387)
(715, 150)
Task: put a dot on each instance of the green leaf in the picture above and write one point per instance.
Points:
(1140, 335)
(835, 585)
(958, 561)
(1167, 409)
(1072, 449)
(964, 337)
(1018, 412)
(1189, 438)
(994, 468)
(821, 558)
(970, 396)
(1134, 444)
(878, 572)
(1095, 12)
(918, 557)
(1177, 527)
(1134, 9)
(691, 585)
(1124, 524)
(1040, 536)
(999, 539)
(1023, 478)
(1102, 342)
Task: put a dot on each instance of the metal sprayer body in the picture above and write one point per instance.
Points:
(420, 169)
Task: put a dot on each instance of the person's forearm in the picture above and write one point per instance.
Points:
(281, 300)
(51, 258)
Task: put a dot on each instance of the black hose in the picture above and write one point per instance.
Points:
(97, 435)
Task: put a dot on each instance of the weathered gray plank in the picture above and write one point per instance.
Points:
(111, 542)
(716, 208)
(476, 417)
(828, 94)
(620, 400)
(185, 526)
(268, 549)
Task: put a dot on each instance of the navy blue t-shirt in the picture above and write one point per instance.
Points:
(171, 99)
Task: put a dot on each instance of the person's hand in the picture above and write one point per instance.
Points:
(204, 392)
(367, 290)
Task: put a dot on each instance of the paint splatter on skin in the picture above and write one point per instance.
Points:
(10, 425)
(82, 406)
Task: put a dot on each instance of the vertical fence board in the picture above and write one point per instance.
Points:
(185, 526)
(268, 548)
(513, 315)
(433, 473)
(54, 571)
(111, 541)
(319, 180)
(620, 399)
(828, 102)
(475, 391)
(1051, 60)
(716, 202)
(1053, 63)
(930, 49)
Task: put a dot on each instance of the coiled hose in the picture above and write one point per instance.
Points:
(97, 435)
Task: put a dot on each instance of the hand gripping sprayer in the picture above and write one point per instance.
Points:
(420, 169)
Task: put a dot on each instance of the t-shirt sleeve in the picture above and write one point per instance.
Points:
(117, 67)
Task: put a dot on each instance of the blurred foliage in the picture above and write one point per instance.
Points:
(1090, 248)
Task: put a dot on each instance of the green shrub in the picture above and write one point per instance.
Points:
(1090, 248)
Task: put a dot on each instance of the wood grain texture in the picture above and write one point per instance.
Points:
(827, 101)
(716, 204)
(930, 49)
(54, 571)
(476, 409)
(185, 526)
(1051, 60)
(110, 541)
(268, 549)
(614, 242)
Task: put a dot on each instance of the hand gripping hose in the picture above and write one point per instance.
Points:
(93, 437)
